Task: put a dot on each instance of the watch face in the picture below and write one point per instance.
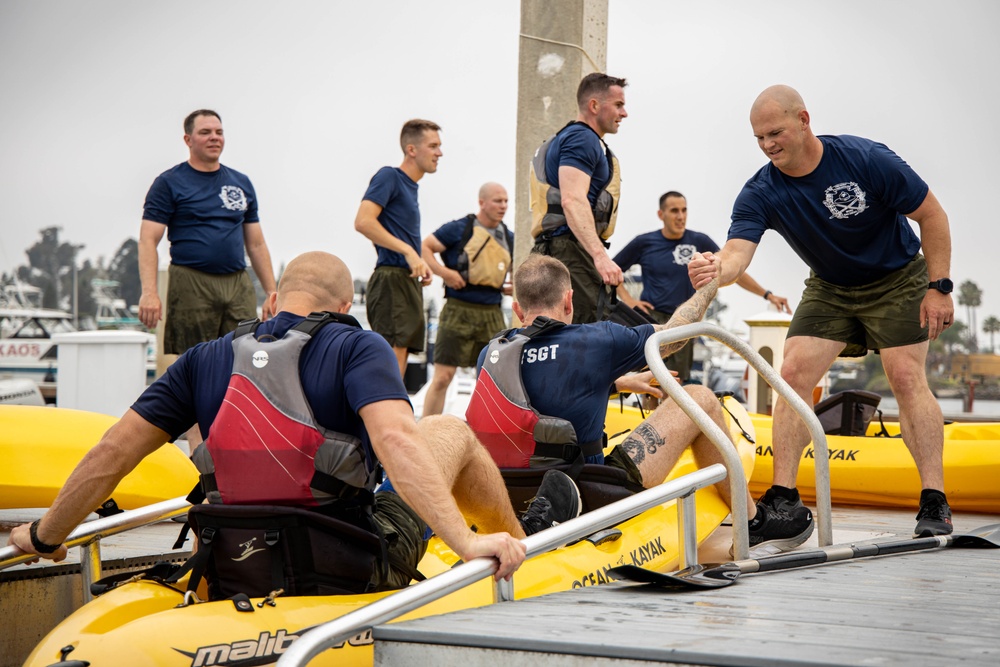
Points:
(945, 286)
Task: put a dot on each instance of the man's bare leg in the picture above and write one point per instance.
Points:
(806, 359)
(438, 390)
(920, 421)
(475, 479)
(657, 443)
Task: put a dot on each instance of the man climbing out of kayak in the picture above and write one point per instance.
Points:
(568, 371)
(355, 399)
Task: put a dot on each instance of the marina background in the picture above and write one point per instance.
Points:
(313, 95)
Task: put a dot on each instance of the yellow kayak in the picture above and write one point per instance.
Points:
(40, 446)
(878, 470)
(141, 620)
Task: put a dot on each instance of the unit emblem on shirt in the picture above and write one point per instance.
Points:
(844, 200)
(683, 253)
(233, 198)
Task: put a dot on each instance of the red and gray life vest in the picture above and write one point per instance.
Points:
(502, 417)
(265, 447)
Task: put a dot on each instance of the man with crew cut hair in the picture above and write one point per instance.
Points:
(389, 216)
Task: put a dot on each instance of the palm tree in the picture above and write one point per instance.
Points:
(970, 296)
(991, 325)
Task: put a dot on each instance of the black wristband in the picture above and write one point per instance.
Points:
(767, 294)
(40, 547)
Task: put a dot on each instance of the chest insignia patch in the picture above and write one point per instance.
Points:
(233, 198)
(844, 200)
(683, 253)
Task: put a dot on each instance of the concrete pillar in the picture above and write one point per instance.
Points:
(561, 42)
(767, 338)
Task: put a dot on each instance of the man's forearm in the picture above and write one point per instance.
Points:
(689, 312)
(98, 474)
(260, 260)
(580, 220)
(149, 261)
(377, 234)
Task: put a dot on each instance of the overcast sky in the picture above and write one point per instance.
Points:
(313, 94)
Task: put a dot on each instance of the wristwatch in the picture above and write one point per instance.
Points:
(945, 286)
(40, 547)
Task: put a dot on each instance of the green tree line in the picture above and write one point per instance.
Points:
(50, 269)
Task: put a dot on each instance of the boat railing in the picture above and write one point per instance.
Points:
(331, 634)
(722, 442)
(87, 536)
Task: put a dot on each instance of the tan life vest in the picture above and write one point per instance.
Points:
(484, 261)
(546, 200)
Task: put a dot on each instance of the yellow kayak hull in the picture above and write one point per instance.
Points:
(879, 471)
(140, 620)
(40, 447)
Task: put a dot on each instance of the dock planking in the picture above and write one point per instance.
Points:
(922, 608)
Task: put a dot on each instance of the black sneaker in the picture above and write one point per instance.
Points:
(934, 517)
(780, 526)
(557, 501)
(781, 504)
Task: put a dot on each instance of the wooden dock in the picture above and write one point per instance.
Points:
(921, 608)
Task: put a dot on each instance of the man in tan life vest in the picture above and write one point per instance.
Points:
(475, 265)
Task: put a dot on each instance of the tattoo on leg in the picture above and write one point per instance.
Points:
(643, 440)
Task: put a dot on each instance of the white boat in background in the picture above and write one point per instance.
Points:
(112, 311)
(26, 348)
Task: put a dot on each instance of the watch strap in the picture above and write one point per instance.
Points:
(39, 546)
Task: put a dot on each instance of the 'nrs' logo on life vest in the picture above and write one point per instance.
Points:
(260, 358)
(494, 356)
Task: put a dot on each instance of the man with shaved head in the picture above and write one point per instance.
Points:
(843, 203)
(476, 253)
(315, 376)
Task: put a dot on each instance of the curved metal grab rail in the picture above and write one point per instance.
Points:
(805, 412)
(719, 438)
(89, 533)
(330, 634)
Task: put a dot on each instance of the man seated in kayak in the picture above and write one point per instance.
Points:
(568, 372)
(351, 382)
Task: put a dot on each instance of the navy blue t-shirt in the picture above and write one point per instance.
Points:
(204, 212)
(342, 369)
(396, 193)
(579, 146)
(450, 235)
(665, 282)
(569, 372)
(847, 219)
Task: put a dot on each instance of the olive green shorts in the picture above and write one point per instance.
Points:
(584, 278)
(396, 307)
(204, 306)
(619, 459)
(876, 316)
(464, 329)
(404, 534)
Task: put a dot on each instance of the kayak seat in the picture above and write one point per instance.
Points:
(599, 484)
(847, 412)
(257, 549)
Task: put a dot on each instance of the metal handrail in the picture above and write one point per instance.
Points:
(719, 438)
(88, 535)
(805, 412)
(330, 634)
